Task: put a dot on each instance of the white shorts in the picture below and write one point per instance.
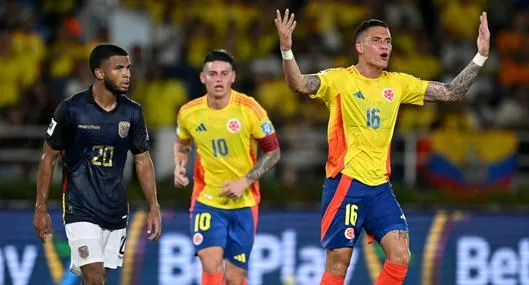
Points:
(89, 243)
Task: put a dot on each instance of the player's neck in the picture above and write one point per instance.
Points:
(367, 70)
(103, 97)
(218, 103)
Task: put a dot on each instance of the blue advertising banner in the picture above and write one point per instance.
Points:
(463, 248)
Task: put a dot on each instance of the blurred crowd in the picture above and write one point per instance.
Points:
(44, 47)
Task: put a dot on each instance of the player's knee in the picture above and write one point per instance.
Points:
(400, 255)
(211, 265)
(93, 274)
(94, 277)
(234, 278)
(337, 264)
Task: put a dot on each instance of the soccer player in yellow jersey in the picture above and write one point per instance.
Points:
(363, 100)
(227, 127)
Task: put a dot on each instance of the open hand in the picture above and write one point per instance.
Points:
(154, 220)
(483, 40)
(285, 26)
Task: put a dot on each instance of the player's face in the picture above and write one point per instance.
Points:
(217, 76)
(117, 74)
(374, 46)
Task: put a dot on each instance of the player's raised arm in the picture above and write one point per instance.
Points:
(182, 149)
(458, 87)
(304, 84)
(41, 220)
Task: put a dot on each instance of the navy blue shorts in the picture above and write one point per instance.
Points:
(348, 206)
(233, 230)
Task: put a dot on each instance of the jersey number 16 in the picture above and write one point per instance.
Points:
(373, 118)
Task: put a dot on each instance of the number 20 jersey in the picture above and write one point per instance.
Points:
(94, 144)
(226, 146)
(363, 113)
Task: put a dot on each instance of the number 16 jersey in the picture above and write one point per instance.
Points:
(363, 112)
(226, 146)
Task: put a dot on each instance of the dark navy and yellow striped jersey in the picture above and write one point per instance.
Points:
(94, 144)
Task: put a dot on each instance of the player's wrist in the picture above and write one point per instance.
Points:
(287, 54)
(479, 59)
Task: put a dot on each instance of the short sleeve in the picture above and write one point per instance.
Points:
(140, 137)
(181, 130)
(327, 78)
(261, 125)
(414, 89)
(58, 133)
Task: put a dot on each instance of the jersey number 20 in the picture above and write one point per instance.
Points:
(104, 155)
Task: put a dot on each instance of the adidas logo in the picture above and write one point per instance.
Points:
(240, 258)
(359, 95)
(201, 128)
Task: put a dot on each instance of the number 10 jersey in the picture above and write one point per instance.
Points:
(226, 146)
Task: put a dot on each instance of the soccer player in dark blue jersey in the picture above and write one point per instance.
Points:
(93, 132)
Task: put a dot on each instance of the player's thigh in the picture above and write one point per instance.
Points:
(396, 246)
(94, 273)
(241, 236)
(114, 249)
(86, 244)
(344, 202)
(209, 228)
(384, 213)
(211, 259)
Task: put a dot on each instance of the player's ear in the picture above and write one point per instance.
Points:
(233, 76)
(203, 77)
(359, 48)
(99, 73)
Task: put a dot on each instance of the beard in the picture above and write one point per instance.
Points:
(110, 86)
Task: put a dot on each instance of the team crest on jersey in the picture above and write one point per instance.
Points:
(234, 126)
(198, 239)
(388, 94)
(83, 251)
(349, 233)
(123, 129)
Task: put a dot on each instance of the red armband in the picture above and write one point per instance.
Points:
(268, 143)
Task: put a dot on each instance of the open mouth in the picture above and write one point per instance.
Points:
(384, 56)
(218, 87)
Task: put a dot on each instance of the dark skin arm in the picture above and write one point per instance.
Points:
(145, 172)
(41, 219)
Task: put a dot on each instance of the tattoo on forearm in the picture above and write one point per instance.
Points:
(267, 161)
(312, 83)
(401, 235)
(457, 88)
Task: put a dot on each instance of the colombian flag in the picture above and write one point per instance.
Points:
(477, 160)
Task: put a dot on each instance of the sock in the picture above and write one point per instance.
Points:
(329, 279)
(212, 278)
(392, 273)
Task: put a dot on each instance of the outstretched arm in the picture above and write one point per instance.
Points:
(304, 84)
(458, 87)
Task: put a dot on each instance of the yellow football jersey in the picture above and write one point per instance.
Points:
(363, 112)
(226, 146)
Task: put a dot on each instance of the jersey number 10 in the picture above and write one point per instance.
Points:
(373, 118)
(219, 147)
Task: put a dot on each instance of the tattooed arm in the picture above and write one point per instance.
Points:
(182, 149)
(270, 146)
(458, 87)
(304, 84)
(267, 161)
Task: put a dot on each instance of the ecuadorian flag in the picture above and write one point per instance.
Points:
(473, 160)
